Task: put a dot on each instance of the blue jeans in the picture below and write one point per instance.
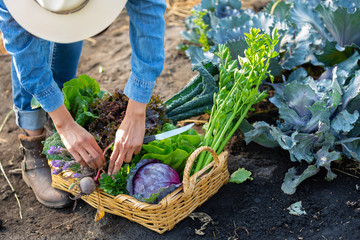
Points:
(40, 68)
(63, 61)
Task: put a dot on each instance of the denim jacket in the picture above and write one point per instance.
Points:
(30, 56)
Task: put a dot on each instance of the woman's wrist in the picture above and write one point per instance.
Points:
(61, 117)
(136, 109)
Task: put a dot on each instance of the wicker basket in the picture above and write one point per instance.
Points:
(176, 206)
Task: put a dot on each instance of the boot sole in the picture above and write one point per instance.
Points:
(45, 203)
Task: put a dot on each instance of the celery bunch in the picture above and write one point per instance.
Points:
(238, 89)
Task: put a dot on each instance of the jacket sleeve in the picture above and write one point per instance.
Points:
(146, 29)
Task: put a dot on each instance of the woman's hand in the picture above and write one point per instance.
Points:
(129, 137)
(80, 143)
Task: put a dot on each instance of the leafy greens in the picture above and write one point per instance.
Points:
(319, 120)
(78, 94)
(238, 90)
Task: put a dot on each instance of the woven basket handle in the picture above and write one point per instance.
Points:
(189, 182)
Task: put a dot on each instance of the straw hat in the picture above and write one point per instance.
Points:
(64, 21)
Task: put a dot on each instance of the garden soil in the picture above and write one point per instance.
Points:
(256, 209)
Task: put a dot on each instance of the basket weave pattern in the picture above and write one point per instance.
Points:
(176, 206)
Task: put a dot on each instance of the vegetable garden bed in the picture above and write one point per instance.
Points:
(253, 210)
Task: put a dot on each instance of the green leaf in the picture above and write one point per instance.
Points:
(240, 176)
(299, 97)
(320, 113)
(324, 159)
(303, 149)
(341, 24)
(298, 74)
(173, 151)
(352, 90)
(298, 55)
(332, 56)
(34, 103)
(280, 10)
(78, 94)
(303, 13)
(157, 147)
(167, 127)
(296, 209)
(70, 94)
(116, 184)
(291, 180)
(189, 140)
(259, 133)
(348, 67)
(344, 121)
(72, 186)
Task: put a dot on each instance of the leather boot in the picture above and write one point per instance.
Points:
(37, 173)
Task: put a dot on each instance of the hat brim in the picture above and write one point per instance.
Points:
(93, 18)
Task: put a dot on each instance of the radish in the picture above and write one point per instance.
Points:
(87, 185)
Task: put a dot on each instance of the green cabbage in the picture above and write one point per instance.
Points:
(319, 120)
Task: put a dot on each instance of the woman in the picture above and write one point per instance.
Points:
(44, 38)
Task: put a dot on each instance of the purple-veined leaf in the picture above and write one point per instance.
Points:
(341, 24)
(291, 180)
(324, 158)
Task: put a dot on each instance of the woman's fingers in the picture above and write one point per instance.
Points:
(128, 156)
(113, 158)
(119, 162)
(129, 137)
(80, 143)
(137, 150)
(88, 159)
(118, 157)
(89, 154)
(95, 158)
(95, 152)
(78, 158)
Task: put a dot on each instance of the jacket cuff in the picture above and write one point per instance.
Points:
(50, 99)
(138, 90)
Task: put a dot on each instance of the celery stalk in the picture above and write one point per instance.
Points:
(232, 105)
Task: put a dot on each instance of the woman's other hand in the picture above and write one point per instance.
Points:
(79, 142)
(129, 137)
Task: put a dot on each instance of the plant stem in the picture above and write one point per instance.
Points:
(205, 158)
(228, 136)
(5, 119)
(12, 188)
(232, 106)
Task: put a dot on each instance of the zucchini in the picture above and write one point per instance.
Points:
(193, 112)
(185, 96)
(202, 100)
(197, 96)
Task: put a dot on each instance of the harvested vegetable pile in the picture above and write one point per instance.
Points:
(111, 112)
(101, 113)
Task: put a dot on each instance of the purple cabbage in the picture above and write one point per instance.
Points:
(150, 181)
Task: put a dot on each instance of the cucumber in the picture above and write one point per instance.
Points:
(203, 100)
(197, 96)
(193, 112)
(185, 96)
(188, 89)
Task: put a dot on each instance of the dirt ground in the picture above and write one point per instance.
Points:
(253, 210)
